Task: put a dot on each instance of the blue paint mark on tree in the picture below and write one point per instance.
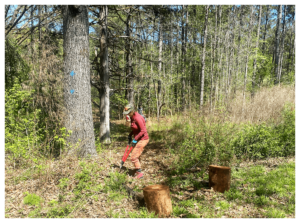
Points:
(72, 73)
(72, 91)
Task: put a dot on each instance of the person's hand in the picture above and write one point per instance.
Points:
(129, 139)
(134, 142)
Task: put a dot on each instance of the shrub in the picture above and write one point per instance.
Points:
(258, 141)
(32, 199)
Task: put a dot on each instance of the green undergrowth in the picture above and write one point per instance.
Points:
(207, 140)
(87, 187)
(272, 191)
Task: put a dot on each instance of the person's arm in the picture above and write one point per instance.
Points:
(142, 127)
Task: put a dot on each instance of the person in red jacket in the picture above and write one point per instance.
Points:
(140, 140)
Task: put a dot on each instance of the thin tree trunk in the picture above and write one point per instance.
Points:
(282, 45)
(255, 57)
(232, 51)
(77, 88)
(238, 50)
(104, 80)
(291, 48)
(277, 42)
(183, 50)
(203, 57)
(159, 82)
(129, 70)
(213, 60)
(265, 33)
(248, 50)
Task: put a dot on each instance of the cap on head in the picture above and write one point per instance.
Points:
(128, 108)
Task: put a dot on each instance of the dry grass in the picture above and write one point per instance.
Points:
(267, 104)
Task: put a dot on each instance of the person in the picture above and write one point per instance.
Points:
(140, 140)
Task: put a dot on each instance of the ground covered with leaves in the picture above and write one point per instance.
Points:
(94, 188)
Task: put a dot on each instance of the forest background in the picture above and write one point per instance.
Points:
(216, 83)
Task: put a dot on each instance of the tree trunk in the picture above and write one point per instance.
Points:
(248, 50)
(256, 47)
(203, 57)
(183, 57)
(238, 50)
(281, 50)
(129, 70)
(291, 48)
(213, 60)
(104, 80)
(277, 37)
(265, 33)
(77, 89)
(160, 40)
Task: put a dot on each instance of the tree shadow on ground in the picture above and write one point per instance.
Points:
(124, 169)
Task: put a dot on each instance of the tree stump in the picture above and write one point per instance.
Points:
(219, 178)
(158, 200)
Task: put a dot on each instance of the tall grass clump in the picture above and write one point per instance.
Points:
(266, 105)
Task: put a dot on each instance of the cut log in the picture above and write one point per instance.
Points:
(158, 200)
(219, 178)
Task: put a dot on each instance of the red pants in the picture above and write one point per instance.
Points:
(136, 153)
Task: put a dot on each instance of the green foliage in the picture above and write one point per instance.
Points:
(142, 213)
(21, 132)
(59, 211)
(32, 199)
(115, 181)
(261, 140)
(224, 205)
(16, 69)
(202, 140)
(275, 213)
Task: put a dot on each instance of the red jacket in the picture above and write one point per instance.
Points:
(138, 127)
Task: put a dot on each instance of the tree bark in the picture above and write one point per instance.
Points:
(248, 50)
(77, 89)
(281, 51)
(277, 41)
(265, 33)
(129, 70)
(203, 57)
(104, 133)
(159, 82)
(255, 57)
(213, 60)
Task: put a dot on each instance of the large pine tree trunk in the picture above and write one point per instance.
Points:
(104, 80)
(77, 89)
(277, 41)
(256, 47)
(203, 56)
